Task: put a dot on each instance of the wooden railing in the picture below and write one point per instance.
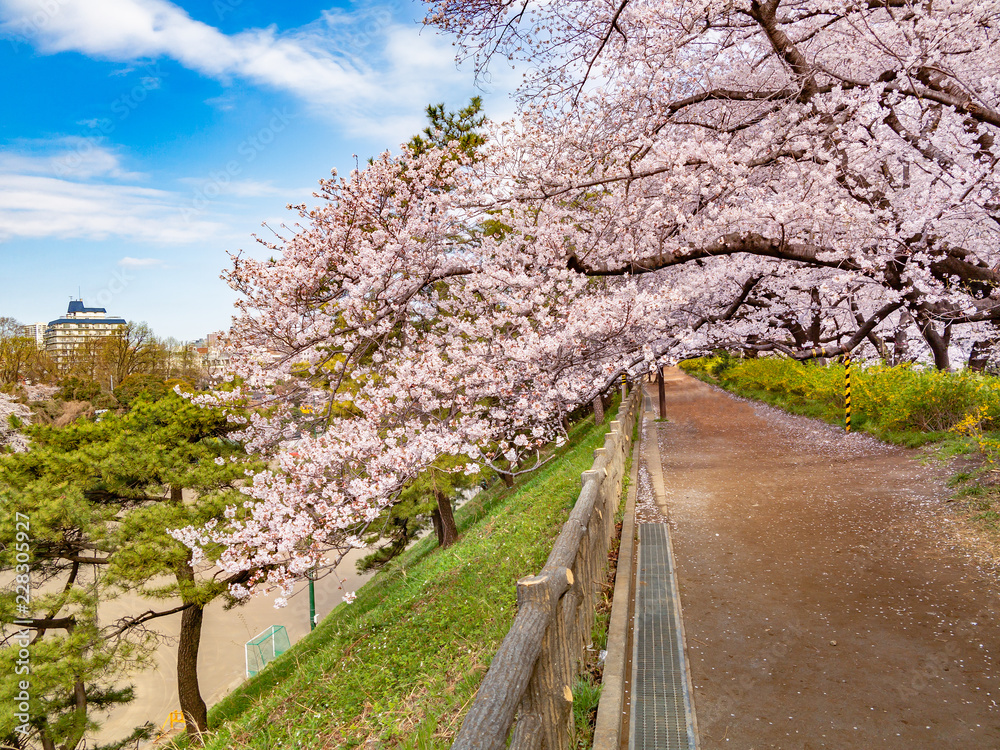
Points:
(530, 677)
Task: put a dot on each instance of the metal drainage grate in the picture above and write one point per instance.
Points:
(662, 716)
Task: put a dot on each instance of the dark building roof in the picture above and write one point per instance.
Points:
(89, 321)
(76, 306)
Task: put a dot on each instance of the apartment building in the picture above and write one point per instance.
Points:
(78, 326)
(35, 331)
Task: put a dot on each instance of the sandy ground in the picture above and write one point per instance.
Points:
(826, 602)
(221, 659)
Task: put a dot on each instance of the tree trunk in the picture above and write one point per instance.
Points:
(192, 704)
(876, 341)
(508, 479)
(598, 404)
(188, 691)
(436, 520)
(815, 331)
(979, 355)
(899, 348)
(938, 342)
(79, 716)
(791, 324)
(444, 520)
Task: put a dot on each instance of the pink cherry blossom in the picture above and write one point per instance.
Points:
(810, 178)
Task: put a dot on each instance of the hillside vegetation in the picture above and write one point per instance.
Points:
(401, 664)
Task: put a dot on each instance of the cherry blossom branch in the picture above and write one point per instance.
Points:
(764, 14)
(730, 244)
(612, 28)
(823, 351)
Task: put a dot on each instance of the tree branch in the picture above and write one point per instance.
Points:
(612, 27)
(729, 244)
(831, 351)
(748, 286)
(127, 623)
(783, 46)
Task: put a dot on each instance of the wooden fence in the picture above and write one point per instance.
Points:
(530, 676)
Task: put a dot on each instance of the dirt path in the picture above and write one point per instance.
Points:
(824, 602)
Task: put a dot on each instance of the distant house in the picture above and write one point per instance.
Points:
(77, 327)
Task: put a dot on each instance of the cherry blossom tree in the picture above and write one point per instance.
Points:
(856, 137)
(390, 332)
(809, 178)
(13, 416)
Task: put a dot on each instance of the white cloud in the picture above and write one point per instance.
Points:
(353, 67)
(34, 206)
(128, 262)
(69, 157)
(254, 189)
(50, 190)
(236, 188)
(365, 70)
(225, 102)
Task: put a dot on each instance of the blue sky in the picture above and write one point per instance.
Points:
(140, 140)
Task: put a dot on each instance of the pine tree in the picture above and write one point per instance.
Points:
(99, 497)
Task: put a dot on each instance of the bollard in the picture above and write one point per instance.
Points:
(847, 392)
(661, 387)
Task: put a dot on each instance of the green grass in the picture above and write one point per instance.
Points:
(401, 664)
(586, 696)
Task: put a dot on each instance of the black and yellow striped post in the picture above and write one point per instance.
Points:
(624, 387)
(847, 391)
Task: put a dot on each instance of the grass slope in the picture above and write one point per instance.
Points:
(401, 664)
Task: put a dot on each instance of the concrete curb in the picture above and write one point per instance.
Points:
(612, 714)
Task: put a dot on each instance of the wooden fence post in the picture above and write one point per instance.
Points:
(528, 685)
(545, 697)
